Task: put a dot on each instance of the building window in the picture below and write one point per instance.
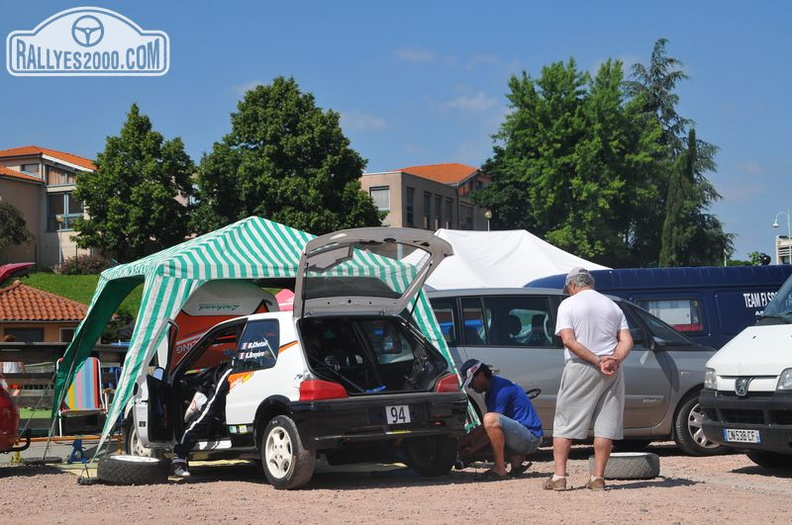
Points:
(66, 335)
(465, 217)
(58, 176)
(409, 207)
(449, 212)
(427, 209)
(29, 169)
(62, 209)
(26, 335)
(381, 197)
(438, 211)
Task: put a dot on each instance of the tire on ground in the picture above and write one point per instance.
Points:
(431, 456)
(630, 465)
(132, 470)
(131, 442)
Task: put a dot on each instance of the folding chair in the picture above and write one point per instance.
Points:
(84, 396)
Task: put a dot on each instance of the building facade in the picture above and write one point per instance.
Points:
(40, 182)
(429, 197)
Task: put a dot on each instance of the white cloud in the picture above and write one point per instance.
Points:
(413, 54)
(751, 168)
(360, 120)
(244, 88)
(478, 102)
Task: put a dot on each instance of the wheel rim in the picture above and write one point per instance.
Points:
(278, 452)
(695, 429)
(135, 447)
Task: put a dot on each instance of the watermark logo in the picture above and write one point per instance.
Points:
(87, 41)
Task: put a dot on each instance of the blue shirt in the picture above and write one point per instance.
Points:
(504, 397)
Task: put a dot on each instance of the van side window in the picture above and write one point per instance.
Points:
(519, 321)
(661, 329)
(682, 314)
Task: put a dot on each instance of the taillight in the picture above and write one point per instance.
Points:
(449, 383)
(314, 389)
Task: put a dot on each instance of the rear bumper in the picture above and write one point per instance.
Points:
(770, 415)
(330, 423)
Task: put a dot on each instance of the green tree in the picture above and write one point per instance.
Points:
(569, 161)
(136, 198)
(13, 228)
(286, 160)
(701, 240)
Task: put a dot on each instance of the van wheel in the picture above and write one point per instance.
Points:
(131, 442)
(132, 470)
(688, 434)
(771, 460)
(287, 463)
(431, 456)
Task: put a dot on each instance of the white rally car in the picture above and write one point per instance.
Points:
(345, 375)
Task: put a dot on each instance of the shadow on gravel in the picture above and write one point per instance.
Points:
(25, 471)
(657, 483)
(763, 471)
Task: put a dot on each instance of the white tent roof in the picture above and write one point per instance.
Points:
(500, 259)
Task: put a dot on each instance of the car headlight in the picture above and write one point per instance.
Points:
(710, 379)
(785, 380)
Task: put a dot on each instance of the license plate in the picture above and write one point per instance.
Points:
(734, 435)
(397, 415)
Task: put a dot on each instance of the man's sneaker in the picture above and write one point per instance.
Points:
(180, 469)
(558, 484)
(596, 484)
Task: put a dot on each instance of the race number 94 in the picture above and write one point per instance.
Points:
(396, 415)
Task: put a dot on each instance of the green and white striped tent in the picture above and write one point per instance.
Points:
(252, 248)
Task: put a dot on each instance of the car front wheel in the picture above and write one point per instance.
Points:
(131, 441)
(689, 435)
(286, 462)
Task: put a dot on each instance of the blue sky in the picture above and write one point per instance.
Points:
(425, 82)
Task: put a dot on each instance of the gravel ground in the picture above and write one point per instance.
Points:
(722, 489)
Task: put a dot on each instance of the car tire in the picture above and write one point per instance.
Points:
(771, 460)
(688, 431)
(632, 445)
(431, 456)
(286, 462)
(630, 465)
(132, 470)
(131, 444)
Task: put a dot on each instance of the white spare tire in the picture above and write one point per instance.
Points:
(132, 470)
(630, 465)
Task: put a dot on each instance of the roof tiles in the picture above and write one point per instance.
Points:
(36, 150)
(20, 302)
(449, 173)
(8, 172)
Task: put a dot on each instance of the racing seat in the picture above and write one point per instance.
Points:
(84, 396)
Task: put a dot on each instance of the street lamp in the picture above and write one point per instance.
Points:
(488, 216)
(789, 235)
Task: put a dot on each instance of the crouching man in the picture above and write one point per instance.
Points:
(511, 423)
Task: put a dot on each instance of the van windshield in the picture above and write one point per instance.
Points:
(781, 305)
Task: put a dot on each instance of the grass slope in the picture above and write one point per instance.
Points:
(80, 288)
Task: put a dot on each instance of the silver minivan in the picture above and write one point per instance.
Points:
(512, 331)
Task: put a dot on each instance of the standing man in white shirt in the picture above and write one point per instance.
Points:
(596, 340)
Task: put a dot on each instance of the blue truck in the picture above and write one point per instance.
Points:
(709, 304)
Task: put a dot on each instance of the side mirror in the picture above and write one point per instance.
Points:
(659, 342)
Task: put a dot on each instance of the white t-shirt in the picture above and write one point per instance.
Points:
(595, 320)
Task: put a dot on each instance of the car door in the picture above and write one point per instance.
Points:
(649, 372)
(530, 360)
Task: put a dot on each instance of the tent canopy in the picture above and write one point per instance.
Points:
(252, 248)
(500, 259)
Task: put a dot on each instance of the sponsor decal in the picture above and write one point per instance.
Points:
(757, 299)
(87, 41)
(218, 307)
(255, 344)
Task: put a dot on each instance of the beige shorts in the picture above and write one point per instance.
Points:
(587, 395)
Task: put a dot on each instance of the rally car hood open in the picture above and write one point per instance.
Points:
(366, 270)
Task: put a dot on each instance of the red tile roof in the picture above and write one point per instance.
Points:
(20, 302)
(8, 172)
(450, 173)
(36, 150)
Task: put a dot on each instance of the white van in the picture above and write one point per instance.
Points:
(747, 395)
